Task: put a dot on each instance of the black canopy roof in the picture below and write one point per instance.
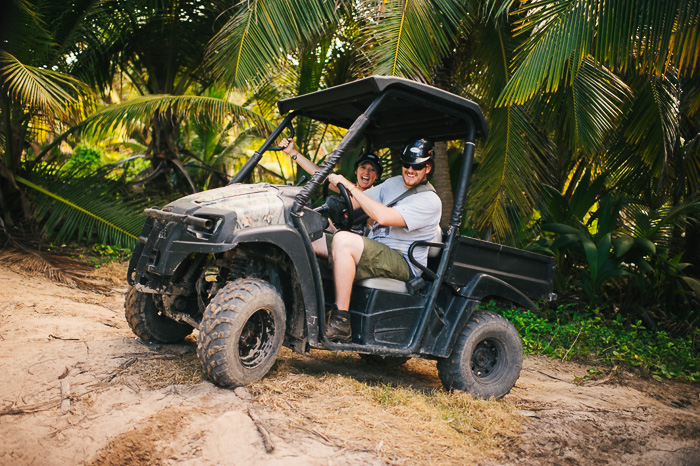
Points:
(411, 110)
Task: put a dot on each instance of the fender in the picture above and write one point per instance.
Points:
(288, 240)
(461, 306)
(483, 285)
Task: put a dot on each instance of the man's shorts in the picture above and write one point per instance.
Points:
(377, 260)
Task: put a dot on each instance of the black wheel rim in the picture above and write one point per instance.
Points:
(486, 359)
(256, 338)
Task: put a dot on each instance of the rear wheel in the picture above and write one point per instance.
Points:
(486, 359)
(144, 314)
(241, 332)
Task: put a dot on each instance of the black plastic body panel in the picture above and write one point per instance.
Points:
(383, 318)
(532, 274)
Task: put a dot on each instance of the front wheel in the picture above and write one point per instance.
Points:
(145, 315)
(241, 332)
(486, 359)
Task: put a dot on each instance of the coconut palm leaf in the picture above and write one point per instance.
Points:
(512, 162)
(411, 36)
(45, 90)
(584, 116)
(510, 166)
(137, 113)
(645, 149)
(75, 205)
(561, 34)
(262, 32)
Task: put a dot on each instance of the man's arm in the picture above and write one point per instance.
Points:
(387, 216)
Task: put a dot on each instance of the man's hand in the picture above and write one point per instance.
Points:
(335, 178)
(387, 216)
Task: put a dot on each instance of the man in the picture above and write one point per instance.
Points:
(403, 209)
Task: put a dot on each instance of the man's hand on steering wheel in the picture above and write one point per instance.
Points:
(346, 220)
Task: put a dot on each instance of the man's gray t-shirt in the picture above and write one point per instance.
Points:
(421, 211)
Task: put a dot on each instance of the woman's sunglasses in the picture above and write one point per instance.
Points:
(417, 167)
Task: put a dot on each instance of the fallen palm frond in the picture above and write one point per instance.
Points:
(24, 254)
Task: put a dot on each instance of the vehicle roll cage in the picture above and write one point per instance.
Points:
(352, 138)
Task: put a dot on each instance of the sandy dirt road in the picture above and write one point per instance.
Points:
(67, 397)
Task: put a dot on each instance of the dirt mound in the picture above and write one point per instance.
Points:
(78, 388)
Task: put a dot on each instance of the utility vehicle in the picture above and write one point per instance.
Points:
(236, 263)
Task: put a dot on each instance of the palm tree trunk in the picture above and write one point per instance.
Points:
(441, 181)
(441, 177)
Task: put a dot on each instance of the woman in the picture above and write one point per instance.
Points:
(368, 168)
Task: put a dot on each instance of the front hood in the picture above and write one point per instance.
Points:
(253, 204)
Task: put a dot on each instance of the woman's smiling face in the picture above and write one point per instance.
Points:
(366, 174)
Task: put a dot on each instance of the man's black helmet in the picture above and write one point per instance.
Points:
(373, 159)
(419, 151)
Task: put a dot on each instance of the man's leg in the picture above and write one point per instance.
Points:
(320, 247)
(347, 249)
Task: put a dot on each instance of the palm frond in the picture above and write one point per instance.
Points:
(511, 164)
(411, 36)
(138, 112)
(657, 34)
(648, 137)
(23, 33)
(262, 32)
(48, 91)
(510, 173)
(75, 205)
(28, 259)
(585, 115)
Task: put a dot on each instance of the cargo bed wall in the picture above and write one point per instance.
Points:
(531, 273)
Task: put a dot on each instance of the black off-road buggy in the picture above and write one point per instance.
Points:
(236, 262)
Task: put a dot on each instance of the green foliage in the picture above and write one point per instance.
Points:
(109, 253)
(85, 156)
(97, 255)
(80, 205)
(618, 252)
(586, 336)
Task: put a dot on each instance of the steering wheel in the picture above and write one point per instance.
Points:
(339, 208)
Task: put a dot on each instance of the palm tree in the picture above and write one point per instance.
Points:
(423, 40)
(35, 100)
(158, 47)
(624, 77)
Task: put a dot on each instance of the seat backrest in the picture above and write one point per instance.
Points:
(433, 251)
(397, 286)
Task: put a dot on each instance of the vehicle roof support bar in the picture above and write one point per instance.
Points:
(246, 170)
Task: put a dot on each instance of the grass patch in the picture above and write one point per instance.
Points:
(588, 337)
(163, 370)
(389, 412)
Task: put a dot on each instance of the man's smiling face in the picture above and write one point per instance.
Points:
(413, 175)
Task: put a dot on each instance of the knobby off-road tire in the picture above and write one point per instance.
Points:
(144, 313)
(486, 359)
(241, 332)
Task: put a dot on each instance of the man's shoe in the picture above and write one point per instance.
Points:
(338, 327)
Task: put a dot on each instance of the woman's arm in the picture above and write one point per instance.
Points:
(303, 162)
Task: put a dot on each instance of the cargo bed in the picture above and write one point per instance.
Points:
(529, 272)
